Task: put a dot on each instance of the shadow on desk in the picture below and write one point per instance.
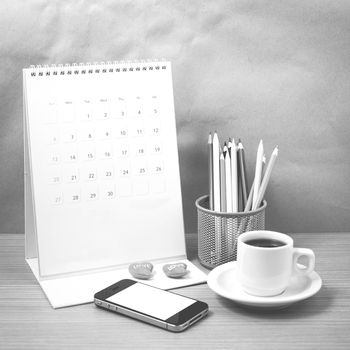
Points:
(304, 309)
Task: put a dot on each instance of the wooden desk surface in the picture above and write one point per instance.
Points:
(27, 321)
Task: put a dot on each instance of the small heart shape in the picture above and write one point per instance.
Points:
(142, 271)
(177, 270)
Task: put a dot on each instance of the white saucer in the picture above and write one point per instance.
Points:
(223, 281)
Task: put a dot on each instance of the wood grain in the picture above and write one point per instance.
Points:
(323, 322)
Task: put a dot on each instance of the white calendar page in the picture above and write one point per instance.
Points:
(104, 165)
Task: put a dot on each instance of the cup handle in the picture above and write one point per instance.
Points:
(297, 253)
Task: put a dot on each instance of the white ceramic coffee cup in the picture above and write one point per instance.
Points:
(266, 271)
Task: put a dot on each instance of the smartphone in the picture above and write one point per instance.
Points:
(151, 305)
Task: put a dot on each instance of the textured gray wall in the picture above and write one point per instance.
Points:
(277, 70)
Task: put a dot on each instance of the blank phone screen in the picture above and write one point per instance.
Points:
(151, 301)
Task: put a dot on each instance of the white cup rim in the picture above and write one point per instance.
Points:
(266, 234)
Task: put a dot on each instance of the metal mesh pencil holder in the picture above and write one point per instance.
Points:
(218, 232)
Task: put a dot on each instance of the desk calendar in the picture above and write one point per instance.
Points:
(102, 174)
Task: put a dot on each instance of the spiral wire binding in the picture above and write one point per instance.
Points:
(98, 67)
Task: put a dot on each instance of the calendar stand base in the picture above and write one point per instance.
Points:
(76, 289)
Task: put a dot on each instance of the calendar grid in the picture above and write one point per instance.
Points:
(92, 144)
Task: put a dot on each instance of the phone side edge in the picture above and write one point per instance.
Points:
(129, 313)
(181, 327)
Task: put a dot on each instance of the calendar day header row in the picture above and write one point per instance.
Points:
(105, 99)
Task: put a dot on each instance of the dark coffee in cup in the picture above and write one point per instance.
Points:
(266, 261)
(265, 243)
